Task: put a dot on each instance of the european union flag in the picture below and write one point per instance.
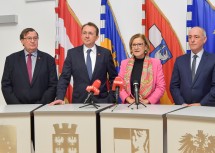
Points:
(110, 34)
(203, 15)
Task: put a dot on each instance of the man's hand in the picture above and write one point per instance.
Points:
(184, 104)
(57, 102)
(195, 104)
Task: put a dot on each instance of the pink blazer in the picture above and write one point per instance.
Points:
(158, 81)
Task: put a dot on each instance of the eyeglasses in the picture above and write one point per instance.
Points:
(88, 33)
(137, 45)
(30, 38)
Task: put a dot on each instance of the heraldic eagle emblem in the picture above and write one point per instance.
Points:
(200, 143)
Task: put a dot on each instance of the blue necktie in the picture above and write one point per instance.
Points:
(89, 64)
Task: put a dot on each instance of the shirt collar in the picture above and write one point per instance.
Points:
(199, 54)
(93, 49)
(33, 54)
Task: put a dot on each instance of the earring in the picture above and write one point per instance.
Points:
(145, 52)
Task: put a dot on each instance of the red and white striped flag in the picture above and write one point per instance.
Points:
(68, 35)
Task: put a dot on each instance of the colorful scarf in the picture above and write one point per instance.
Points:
(146, 82)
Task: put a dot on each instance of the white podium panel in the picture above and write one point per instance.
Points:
(191, 130)
(15, 128)
(131, 130)
(67, 128)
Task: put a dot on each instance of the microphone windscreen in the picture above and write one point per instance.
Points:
(89, 88)
(96, 84)
(118, 82)
(135, 83)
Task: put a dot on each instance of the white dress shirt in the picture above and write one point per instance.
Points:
(33, 59)
(92, 56)
(198, 59)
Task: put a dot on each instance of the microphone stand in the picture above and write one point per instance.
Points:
(116, 98)
(136, 95)
(89, 101)
(137, 103)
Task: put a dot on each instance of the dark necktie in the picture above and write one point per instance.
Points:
(29, 67)
(89, 64)
(194, 67)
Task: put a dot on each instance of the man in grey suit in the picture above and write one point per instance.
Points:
(193, 77)
(84, 73)
(30, 75)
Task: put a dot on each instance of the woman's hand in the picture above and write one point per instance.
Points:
(130, 100)
(144, 101)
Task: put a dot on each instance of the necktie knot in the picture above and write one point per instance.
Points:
(195, 56)
(88, 51)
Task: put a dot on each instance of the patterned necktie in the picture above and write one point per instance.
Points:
(29, 67)
(89, 64)
(194, 67)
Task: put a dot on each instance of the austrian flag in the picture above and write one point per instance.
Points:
(68, 35)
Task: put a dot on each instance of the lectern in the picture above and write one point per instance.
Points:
(15, 128)
(131, 130)
(67, 128)
(191, 129)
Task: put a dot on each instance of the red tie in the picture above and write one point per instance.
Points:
(29, 67)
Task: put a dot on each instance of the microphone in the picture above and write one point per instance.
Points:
(117, 86)
(93, 90)
(136, 91)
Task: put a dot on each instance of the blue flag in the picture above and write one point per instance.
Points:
(203, 15)
(110, 34)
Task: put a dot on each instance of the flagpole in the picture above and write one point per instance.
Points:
(143, 17)
(57, 36)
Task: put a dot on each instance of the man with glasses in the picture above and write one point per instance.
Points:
(87, 63)
(30, 75)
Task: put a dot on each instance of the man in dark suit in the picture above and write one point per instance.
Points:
(30, 75)
(76, 65)
(193, 77)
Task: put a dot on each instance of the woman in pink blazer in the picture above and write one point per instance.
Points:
(146, 71)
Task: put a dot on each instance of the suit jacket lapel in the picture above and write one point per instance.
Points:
(23, 65)
(38, 65)
(187, 68)
(200, 68)
(81, 60)
(99, 58)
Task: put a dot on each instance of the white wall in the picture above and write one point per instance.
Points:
(41, 16)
